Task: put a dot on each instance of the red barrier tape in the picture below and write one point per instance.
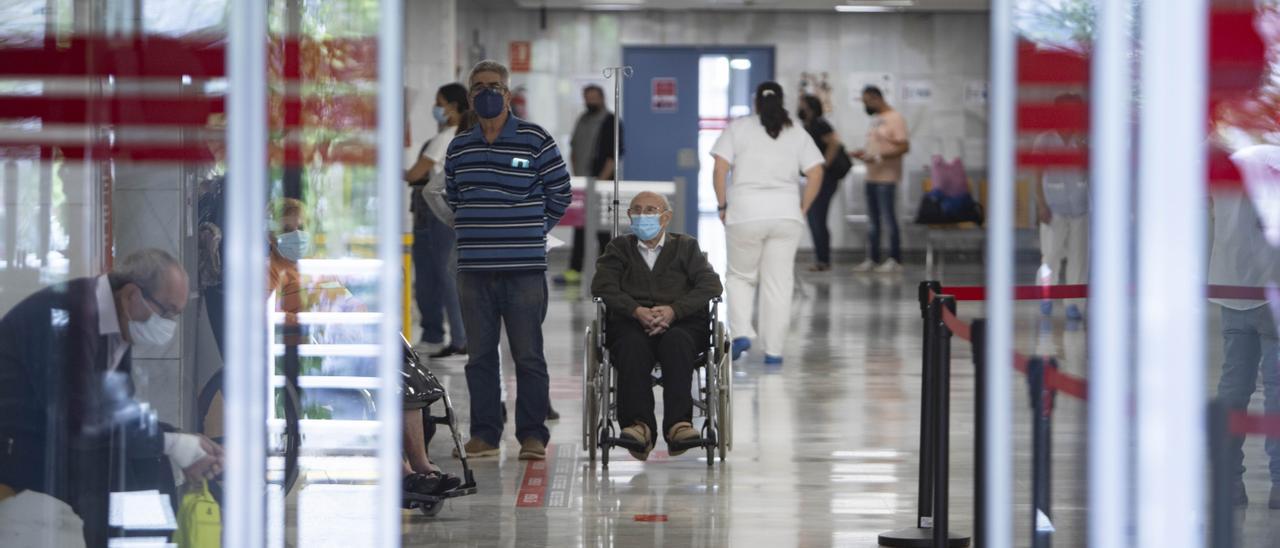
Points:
(1075, 387)
(1022, 292)
(957, 327)
(1043, 292)
(1235, 292)
(1241, 423)
(1054, 379)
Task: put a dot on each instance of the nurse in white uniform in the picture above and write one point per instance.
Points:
(764, 211)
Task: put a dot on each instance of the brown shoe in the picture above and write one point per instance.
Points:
(639, 432)
(477, 447)
(680, 432)
(533, 449)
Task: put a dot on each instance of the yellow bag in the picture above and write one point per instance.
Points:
(199, 520)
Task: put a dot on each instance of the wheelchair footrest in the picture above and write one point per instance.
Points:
(696, 443)
(625, 443)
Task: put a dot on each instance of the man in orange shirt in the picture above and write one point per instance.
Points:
(887, 143)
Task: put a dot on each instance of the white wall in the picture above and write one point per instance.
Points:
(947, 50)
(430, 62)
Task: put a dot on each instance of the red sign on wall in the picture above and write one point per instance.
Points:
(663, 95)
(521, 56)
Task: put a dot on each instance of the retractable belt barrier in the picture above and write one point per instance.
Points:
(1225, 424)
(1044, 382)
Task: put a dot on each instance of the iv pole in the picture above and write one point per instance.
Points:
(618, 74)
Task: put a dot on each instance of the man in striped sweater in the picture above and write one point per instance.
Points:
(508, 186)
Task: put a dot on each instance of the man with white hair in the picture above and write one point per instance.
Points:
(656, 286)
(508, 186)
(66, 396)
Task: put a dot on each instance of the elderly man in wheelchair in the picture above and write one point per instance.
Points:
(658, 291)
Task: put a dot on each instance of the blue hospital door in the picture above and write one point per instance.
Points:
(660, 111)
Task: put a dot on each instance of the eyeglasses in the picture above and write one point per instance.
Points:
(481, 86)
(160, 309)
(649, 210)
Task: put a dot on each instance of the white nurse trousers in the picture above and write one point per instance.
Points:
(1065, 238)
(763, 254)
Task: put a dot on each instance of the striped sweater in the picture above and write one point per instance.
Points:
(506, 195)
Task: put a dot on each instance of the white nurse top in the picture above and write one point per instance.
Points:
(765, 182)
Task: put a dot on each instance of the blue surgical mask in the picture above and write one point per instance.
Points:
(646, 227)
(488, 103)
(438, 113)
(294, 245)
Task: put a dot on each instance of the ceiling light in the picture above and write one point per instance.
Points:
(875, 7)
(740, 64)
(864, 9)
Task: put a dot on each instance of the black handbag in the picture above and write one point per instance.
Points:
(421, 388)
(841, 165)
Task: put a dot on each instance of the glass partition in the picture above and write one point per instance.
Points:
(190, 315)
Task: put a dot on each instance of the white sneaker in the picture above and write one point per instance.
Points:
(889, 267)
(865, 266)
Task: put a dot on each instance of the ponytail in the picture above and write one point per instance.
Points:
(456, 95)
(769, 106)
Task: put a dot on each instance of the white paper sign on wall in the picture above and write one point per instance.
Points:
(917, 92)
(858, 80)
(975, 93)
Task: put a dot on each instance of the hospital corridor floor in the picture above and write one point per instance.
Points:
(825, 446)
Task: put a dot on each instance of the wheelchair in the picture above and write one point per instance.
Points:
(422, 388)
(713, 384)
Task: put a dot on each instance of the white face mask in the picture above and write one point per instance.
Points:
(156, 331)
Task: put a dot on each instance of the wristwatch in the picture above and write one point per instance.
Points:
(722, 207)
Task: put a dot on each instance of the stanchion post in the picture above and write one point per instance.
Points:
(1042, 397)
(978, 330)
(1222, 513)
(942, 419)
(919, 535)
(925, 488)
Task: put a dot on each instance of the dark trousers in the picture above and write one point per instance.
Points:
(880, 200)
(518, 301)
(579, 246)
(435, 283)
(818, 219)
(634, 353)
(1249, 344)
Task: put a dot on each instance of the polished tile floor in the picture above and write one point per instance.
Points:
(825, 447)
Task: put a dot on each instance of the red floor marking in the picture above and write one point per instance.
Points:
(651, 517)
(533, 488)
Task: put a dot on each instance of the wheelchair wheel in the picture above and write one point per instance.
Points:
(725, 370)
(590, 396)
(431, 509)
(725, 425)
(604, 388)
(711, 398)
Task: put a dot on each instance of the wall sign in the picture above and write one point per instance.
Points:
(521, 56)
(975, 93)
(663, 95)
(917, 92)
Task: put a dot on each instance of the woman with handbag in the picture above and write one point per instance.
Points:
(836, 165)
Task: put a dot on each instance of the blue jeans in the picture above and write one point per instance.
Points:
(1249, 343)
(818, 219)
(435, 286)
(518, 301)
(880, 198)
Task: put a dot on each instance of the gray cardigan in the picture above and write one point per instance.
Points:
(681, 277)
